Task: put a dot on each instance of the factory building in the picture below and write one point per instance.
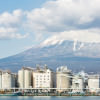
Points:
(43, 78)
(25, 78)
(93, 83)
(77, 84)
(63, 78)
(7, 80)
(0, 79)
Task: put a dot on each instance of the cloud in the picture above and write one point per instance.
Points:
(54, 17)
(7, 36)
(9, 19)
(63, 15)
(85, 36)
(11, 24)
(10, 33)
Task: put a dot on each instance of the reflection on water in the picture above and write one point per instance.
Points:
(49, 98)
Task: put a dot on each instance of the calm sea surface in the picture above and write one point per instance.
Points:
(50, 98)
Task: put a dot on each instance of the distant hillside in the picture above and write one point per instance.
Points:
(77, 56)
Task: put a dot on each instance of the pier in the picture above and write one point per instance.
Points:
(51, 91)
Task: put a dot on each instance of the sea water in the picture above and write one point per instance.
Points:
(49, 98)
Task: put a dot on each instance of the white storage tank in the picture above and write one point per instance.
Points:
(0, 79)
(25, 78)
(93, 83)
(8, 80)
(63, 78)
(28, 78)
(21, 78)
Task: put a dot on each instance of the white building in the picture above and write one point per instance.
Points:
(0, 79)
(25, 78)
(77, 84)
(63, 78)
(43, 78)
(93, 83)
(8, 80)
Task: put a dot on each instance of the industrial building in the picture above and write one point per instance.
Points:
(25, 77)
(0, 79)
(63, 78)
(77, 84)
(94, 83)
(7, 80)
(43, 78)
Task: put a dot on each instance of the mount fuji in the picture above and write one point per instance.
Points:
(74, 54)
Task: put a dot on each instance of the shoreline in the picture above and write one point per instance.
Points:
(60, 95)
(54, 95)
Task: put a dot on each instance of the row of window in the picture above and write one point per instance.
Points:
(42, 76)
(42, 79)
(38, 85)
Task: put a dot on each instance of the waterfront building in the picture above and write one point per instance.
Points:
(94, 83)
(8, 80)
(25, 78)
(43, 78)
(78, 83)
(63, 78)
(0, 79)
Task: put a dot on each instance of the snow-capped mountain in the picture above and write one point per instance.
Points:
(76, 55)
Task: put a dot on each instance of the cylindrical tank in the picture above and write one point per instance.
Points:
(0, 79)
(63, 78)
(94, 83)
(21, 78)
(27, 79)
(8, 80)
(24, 78)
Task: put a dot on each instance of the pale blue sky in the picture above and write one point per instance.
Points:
(10, 5)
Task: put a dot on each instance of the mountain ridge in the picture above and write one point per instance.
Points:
(56, 55)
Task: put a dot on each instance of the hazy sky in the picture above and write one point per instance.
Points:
(25, 23)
